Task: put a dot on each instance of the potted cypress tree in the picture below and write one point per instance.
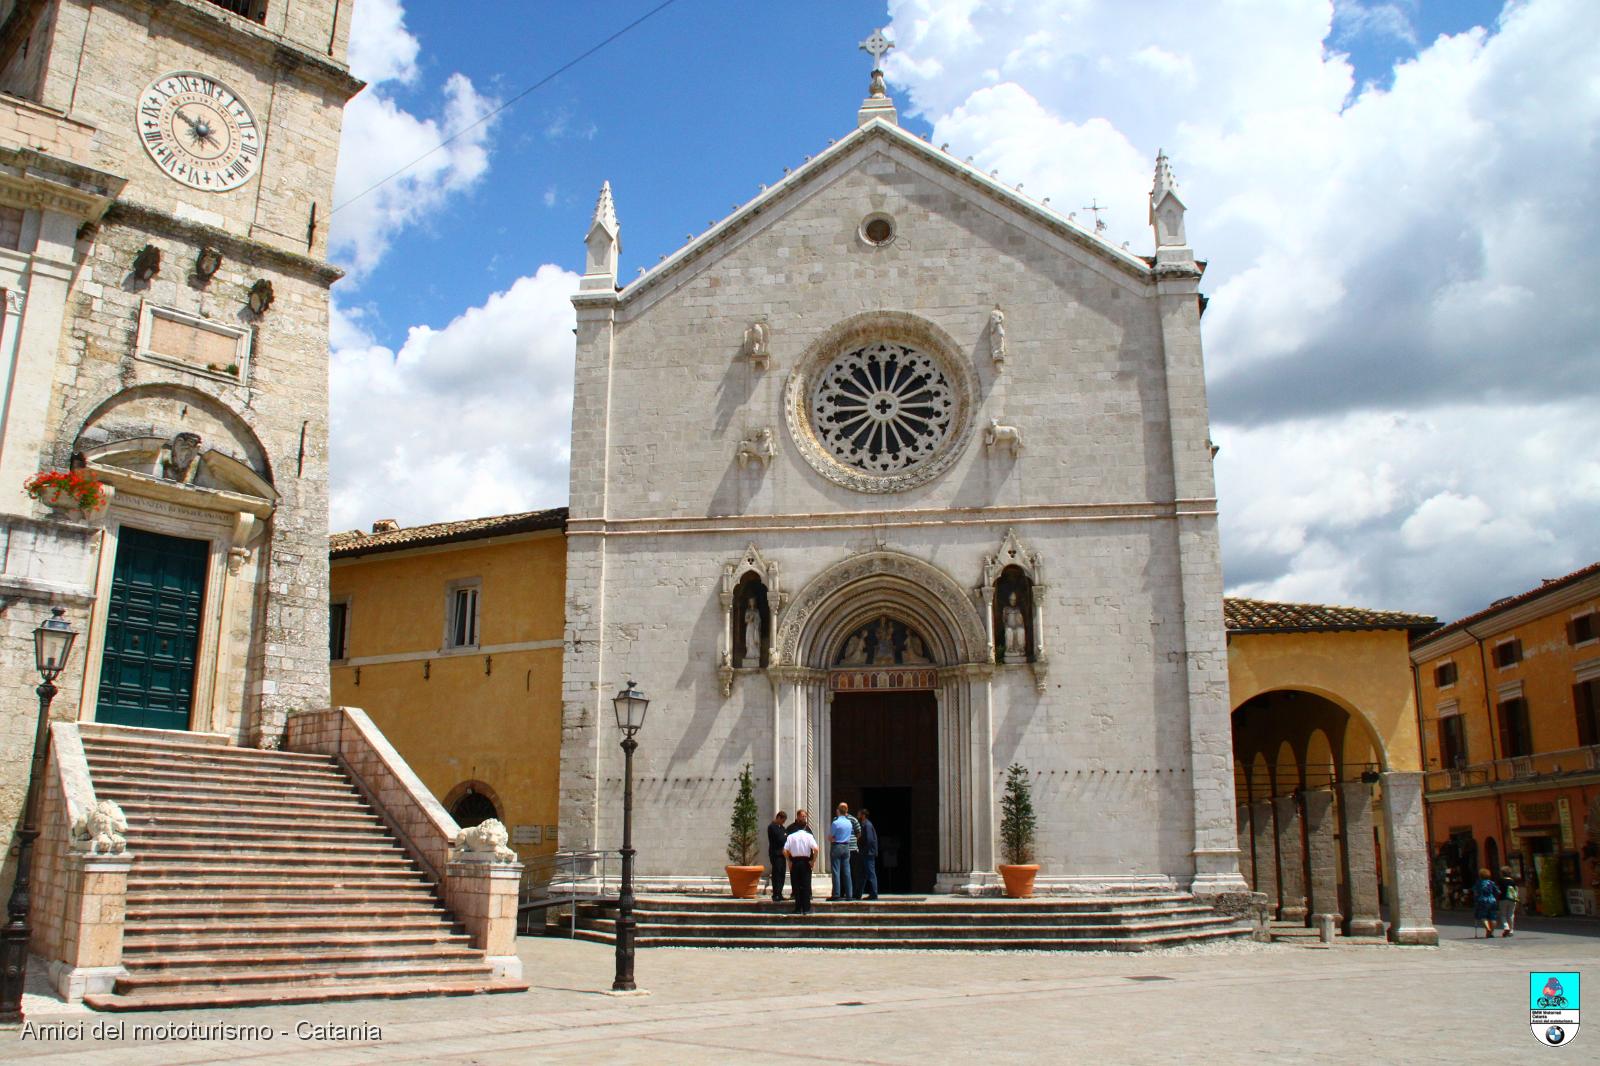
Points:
(744, 872)
(1017, 825)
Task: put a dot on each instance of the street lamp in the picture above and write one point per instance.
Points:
(630, 705)
(52, 643)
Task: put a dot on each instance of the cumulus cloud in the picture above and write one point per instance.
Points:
(1401, 343)
(381, 137)
(466, 420)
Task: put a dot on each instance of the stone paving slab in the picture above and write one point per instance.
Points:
(1237, 1002)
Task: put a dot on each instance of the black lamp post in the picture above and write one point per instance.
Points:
(630, 705)
(52, 643)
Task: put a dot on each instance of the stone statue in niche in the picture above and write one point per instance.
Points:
(757, 448)
(752, 635)
(883, 650)
(914, 654)
(755, 345)
(997, 335)
(1016, 631)
(180, 459)
(855, 651)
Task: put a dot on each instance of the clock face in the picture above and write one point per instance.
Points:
(199, 131)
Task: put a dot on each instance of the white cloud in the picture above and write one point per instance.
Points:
(1402, 339)
(468, 420)
(380, 138)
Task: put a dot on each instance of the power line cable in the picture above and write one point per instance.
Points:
(552, 76)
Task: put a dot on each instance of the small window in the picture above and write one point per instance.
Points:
(1582, 629)
(338, 624)
(1508, 654)
(877, 229)
(1586, 698)
(461, 616)
(11, 228)
(1444, 675)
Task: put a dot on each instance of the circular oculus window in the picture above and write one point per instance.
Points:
(882, 408)
(877, 229)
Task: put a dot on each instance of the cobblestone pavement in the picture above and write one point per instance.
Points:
(1463, 1001)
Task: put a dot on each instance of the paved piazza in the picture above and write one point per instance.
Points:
(1465, 1000)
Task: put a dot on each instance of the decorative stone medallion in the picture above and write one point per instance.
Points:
(881, 404)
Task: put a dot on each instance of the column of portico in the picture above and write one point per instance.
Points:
(1247, 866)
(1410, 898)
(1266, 851)
(1322, 854)
(1360, 861)
(1291, 859)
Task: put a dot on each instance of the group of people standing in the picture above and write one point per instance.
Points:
(1495, 899)
(852, 856)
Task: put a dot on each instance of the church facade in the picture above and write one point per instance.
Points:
(890, 480)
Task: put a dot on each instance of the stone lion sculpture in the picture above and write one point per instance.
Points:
(485, 842)
(102, 831)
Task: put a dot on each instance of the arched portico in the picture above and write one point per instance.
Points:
(813, 635)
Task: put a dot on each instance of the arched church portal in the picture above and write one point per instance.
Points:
(882, 667)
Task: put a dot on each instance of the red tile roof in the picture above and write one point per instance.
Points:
(354, 543)
(1546, 587)
(1264, 616)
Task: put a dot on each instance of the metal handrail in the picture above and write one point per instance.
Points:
(566, 879)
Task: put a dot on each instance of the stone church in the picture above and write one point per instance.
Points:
(891, 479)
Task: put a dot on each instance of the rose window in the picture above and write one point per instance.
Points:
(882, 408)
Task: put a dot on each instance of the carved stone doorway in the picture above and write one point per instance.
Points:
(885, 749)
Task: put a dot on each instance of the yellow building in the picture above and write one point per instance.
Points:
(1511, 729)
(449, 636)
(1326, 758)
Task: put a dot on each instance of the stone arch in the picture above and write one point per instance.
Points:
(461, 798)
(850, 593)
(1287, 770)
(1357, 721)
(160, 409)
(1321, 764)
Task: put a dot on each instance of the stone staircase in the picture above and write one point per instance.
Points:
(265, 877)
(1100, 923)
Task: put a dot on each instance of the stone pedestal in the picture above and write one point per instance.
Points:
(1410, 899)
(1322, 856)
(89, 954)
(483, 897)
(1291, 860)
(1247, 866)
(1360, 860)
(1266, 852)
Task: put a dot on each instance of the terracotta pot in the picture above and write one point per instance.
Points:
(1019, 879)
(745, 881)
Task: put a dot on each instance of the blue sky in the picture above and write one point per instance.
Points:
(1384, 195)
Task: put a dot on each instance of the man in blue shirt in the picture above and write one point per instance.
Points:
(840, 833)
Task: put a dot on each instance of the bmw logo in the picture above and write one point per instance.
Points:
(1554, 1035)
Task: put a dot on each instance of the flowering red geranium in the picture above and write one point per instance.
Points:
(85, 492)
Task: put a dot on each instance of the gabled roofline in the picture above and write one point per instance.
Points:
(1137, 266)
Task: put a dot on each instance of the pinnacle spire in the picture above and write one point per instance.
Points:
(1166, 218)
(1165, 184)
(605, 211)
(602, 244)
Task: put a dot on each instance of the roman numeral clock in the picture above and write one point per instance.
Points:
(199, 131)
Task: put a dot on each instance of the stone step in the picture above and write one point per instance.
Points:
(158, 878)
(778, 912)
(112, 740)
(289, 901)
(139, 803)
(286, 857)
(265, 959)
(350, 988)
(169, 942)
(278, 926)
(178, 790)
(160, 768)
(222, 821)
(1130, 944)
(159, 834)
(930, 931)
(919, 904)
(225, 979)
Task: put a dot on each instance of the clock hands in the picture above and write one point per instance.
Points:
(199, 130)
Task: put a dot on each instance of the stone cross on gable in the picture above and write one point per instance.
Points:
(878, 46)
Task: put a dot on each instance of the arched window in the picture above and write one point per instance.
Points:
(473, 808)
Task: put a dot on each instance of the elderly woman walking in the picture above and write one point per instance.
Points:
(1486, 902)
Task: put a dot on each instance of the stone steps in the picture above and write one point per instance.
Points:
(265, 877)
(1097, 923)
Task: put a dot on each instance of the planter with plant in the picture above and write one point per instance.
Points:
(1017, 826)
(66, 490)
(744, 872)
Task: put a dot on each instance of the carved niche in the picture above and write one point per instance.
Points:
(1012, 595)
(884, 643)
(750, 598)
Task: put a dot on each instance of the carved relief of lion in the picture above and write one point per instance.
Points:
(485, 842)
(101, 831)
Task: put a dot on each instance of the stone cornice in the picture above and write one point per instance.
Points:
(236, 247)
(1458, 635)
(35, 180)
(211, 23)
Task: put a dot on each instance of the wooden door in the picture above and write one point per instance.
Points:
(158, 589)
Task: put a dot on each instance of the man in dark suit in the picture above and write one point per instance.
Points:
(869, 855)
(777, 837)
